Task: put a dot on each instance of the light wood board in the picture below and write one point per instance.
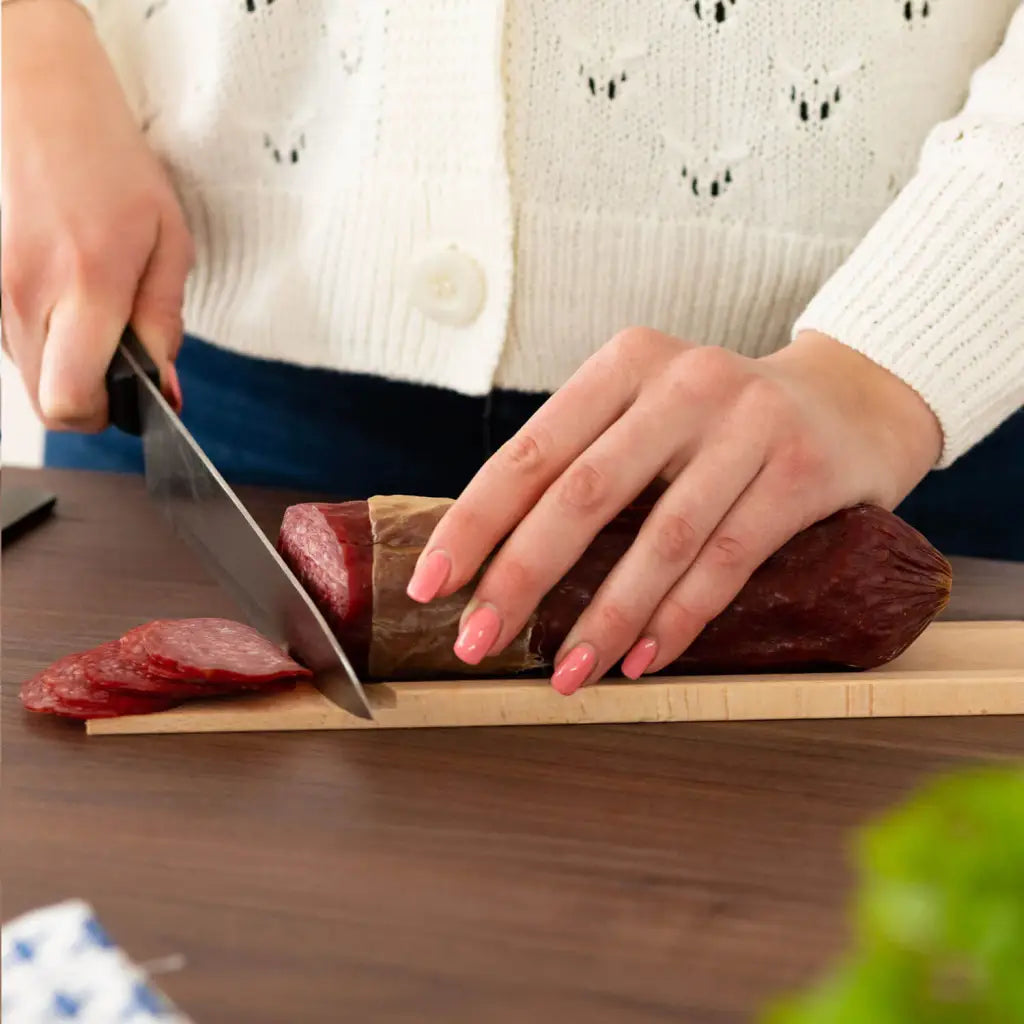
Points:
(955, 668)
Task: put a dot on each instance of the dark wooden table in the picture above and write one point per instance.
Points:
(677, 873)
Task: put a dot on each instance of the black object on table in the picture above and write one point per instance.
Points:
(21, 508)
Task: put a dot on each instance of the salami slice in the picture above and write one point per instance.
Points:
(110, 668)
(36, 695)
(64, 689)
(131, 670)
(213, 650)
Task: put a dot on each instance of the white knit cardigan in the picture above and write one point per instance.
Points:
(479, 194)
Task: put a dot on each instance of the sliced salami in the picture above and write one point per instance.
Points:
(36, 695)
(159, 665)
(63, 689)
(111, 668)
(215, 650)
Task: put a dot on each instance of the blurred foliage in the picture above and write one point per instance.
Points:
(938, 913)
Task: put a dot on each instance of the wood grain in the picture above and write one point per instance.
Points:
(619, 874)
(955, 668)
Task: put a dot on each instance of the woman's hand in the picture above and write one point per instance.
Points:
(93, 236)
(753, 450)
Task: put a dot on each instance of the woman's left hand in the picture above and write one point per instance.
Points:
(753, 451)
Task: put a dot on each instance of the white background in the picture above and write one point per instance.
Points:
(22, 436)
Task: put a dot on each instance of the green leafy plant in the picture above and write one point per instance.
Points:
(939, 913)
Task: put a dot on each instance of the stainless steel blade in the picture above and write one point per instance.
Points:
(209, 517)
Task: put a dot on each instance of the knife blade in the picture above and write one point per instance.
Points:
(207, 514)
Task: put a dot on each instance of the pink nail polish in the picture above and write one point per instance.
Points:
(574, 669)
(640, 658)
(430, 576)
(478, 635)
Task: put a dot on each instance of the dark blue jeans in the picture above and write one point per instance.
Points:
(350, 435)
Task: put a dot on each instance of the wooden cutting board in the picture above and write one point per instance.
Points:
(955, 668)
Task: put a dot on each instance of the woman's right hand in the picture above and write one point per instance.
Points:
(93, 234)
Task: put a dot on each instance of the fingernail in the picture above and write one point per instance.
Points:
(173, 385)
(478, 635)
(574, 669)
(429, 577)
(640, 658)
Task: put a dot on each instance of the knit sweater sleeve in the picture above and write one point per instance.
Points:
(935, 291)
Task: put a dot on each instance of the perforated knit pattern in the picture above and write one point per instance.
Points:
(706, 167)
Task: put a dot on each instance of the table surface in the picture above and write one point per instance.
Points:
(600, 874)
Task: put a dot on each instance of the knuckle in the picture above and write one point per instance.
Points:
(160, 311)
(459, 522)
(148, 200)
(524, 453)
(764, 400)
(614, 623)
(726, 551)
(632, 351)
(801, 461)
(709, 367)
(583, 488)
(629, 356)
(630, 343)
(675, 537)
(85, 261)
(69, 404)
(680, 619)
(18, 279)
(179, 237)
(697, 375)
(514, 578)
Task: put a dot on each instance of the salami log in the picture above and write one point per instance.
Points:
(850, 592)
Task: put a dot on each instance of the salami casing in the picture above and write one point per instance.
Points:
(852, 591)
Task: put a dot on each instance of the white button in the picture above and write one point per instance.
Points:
(448, 287)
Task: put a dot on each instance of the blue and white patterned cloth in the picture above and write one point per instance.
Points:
(61, 967)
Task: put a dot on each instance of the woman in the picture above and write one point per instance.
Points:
(407, 225)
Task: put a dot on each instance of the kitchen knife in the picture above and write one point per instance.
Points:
(208, 516)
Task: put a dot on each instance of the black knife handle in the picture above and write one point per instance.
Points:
(123, 387)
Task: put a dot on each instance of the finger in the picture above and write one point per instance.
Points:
(83, 333)
(24, 313)
(561, 525)
(156, 313)
(762, 520)
(666, 546)
(23, 343)
(513, 480)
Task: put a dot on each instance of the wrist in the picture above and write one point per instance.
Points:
(898, 421)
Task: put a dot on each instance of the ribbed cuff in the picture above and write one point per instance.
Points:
(583, 275)
(935, 294)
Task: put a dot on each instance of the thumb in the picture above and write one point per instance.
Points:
(156, 313)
